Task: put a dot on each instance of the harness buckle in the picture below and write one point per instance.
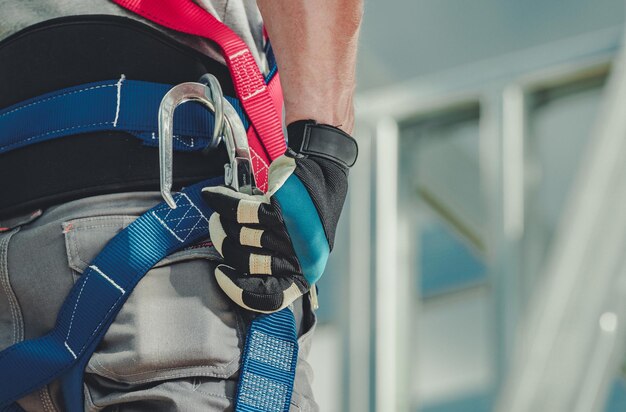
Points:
(239, 173)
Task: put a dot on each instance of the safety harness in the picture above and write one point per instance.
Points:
(271, 348)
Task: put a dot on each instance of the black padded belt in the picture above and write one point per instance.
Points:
(66, 52)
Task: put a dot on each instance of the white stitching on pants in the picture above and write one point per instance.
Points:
(6, 287)
(16, 313)
(46, 400)
(41, 399)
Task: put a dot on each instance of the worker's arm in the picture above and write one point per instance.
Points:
(315, 43)
(275, 246)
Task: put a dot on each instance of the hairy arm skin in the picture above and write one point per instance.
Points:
(315, 43)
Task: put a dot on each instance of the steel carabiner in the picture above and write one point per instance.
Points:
(239, 173)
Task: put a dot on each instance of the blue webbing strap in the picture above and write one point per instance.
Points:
(13, 408)
(271, 341)
(126, 105)
(269, 358)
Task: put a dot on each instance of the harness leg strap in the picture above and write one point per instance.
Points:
(94, 301)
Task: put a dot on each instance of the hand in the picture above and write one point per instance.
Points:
(275, 246)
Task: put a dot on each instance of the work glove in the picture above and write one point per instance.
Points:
(275, 246)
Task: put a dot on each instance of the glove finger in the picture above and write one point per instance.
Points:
(216, 232)
(276, 240)
(247, 259)
(233, 205)
(256, 261)
(241, 208)
(265, 294)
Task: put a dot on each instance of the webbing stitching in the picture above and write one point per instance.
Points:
(45, 379)
(22, 142)
(191, 145)
(12, 349)
(167, 227)
(98, 326)
(69, 329)
(108, 279)
(251, 95)
(185, 143)
(250, 80)
(198, 221)
(50, 132)
(177, 27)
(67, 346)
(164, 220)
(180, 220)
(259, 170)
(114, 122)
(118, 99)
(17, 109)
(118, 299)
(259, 159)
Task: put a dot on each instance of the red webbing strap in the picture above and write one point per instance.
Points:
(187, 17)
(260, 165)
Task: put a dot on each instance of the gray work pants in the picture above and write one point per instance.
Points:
(176, 343)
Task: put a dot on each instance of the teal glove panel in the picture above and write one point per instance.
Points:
(275, 246)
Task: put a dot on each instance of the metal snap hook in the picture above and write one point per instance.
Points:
(176, 96)
(213, 92)
(239, 173)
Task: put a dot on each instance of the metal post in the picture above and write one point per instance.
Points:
(360, 306)
(386, 266)
(574, 331)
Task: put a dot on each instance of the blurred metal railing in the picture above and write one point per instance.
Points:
(378, 293)
(574, 335)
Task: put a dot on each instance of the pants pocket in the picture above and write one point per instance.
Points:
(11, 320)
(12, 317)
(174, 395)
(176, 344)
(176, 323)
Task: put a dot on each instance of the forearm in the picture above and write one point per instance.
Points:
(315, 43)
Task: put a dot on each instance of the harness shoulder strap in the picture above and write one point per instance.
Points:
(187, 17)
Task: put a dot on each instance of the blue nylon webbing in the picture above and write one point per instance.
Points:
(269, 358)
(13, 408)
(269, 364)
(126, 105)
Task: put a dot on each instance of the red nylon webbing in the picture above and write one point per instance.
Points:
(261, 106)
